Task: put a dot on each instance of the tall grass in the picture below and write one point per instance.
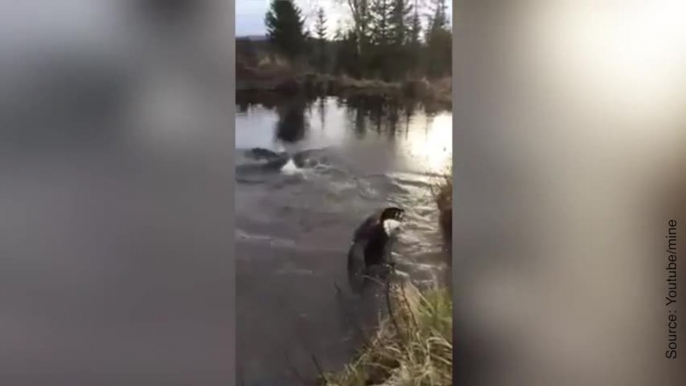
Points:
(412, 346)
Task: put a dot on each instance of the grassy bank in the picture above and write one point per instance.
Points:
(414, 344)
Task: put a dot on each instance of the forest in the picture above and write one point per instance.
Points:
(382, 43)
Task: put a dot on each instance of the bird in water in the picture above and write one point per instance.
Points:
(369, 247)
(283, 161)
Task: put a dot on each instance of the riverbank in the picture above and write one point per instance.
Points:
(414, 344)
(437, 92)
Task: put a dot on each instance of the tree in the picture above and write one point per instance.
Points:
(439, 16)
(320, 30)
(380, 15)
(285, 28)
(400, 22)
(359, 10)
(415, 27)
(386, 39)
(348, 60)
(414, 39)
(439, 41)
(320, 27)
(379, 58)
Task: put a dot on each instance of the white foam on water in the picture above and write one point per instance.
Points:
(289, 167)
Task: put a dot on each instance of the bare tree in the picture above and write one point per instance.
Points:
(359, 10)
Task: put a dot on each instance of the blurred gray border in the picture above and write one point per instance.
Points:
(469, 164)
(231, 203)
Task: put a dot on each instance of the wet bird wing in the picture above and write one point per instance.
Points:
(356, 262)
(302, 157)
(366, 229)
(356, 265)
(259, 153)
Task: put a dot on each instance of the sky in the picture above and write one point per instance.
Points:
(250, 14)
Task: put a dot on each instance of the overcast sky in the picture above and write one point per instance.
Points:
(250, 14)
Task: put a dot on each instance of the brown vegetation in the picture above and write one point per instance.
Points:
(413, 346)
(281, 77)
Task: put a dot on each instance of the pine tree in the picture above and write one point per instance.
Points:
(415, 27)
(399, 34)
(400, 22)
(380, 15)
(380, 31)
(285, 28)
(320, 29)
(439, 41)
(438, 22)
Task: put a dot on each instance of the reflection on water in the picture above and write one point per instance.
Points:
(420, 139)
(291, 125)
(294, 229)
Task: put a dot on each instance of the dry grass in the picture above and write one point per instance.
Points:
(274, 63)
(413, 346)
(437, 91)
(443, 90)
(347, 85)
(276, 74)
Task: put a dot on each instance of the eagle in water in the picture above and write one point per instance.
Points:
(369, 246)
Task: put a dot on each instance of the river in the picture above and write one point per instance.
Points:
(293, 226)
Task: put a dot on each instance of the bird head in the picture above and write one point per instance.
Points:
(391, 218)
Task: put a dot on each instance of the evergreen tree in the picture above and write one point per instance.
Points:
(400, 22)
(320, 27)
(285, 28)
(415, 30)
(439, 17)
(380, 15)
(378, 60)
(439, 41)
(320, 30)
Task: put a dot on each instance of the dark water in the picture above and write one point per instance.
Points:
(293, 226)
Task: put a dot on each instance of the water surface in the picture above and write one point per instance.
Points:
(293, 226)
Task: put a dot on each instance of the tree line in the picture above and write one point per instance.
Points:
(386, 39)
